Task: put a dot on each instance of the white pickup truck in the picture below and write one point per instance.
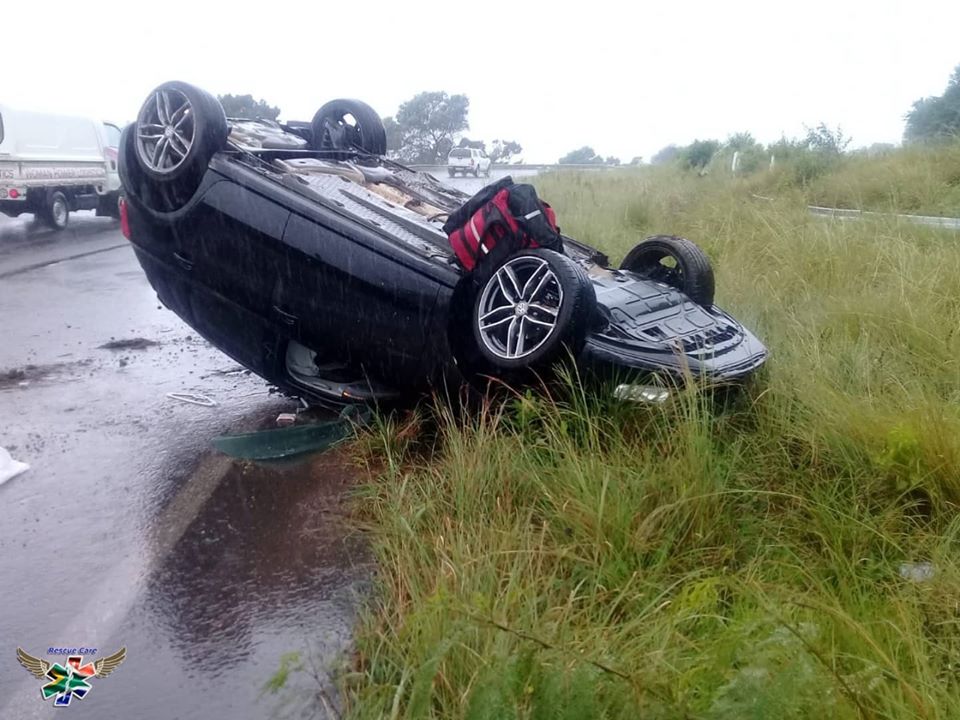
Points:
(468, 160)
(51, 165)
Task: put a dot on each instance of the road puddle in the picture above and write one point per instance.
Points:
(268, 567)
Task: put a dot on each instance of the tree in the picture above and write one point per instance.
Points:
(426, 125)
(503, 150)
(244, 106)
(581, 156)
(698, 153)
(665, 155)
(473, 144)
(750, 155)
(611, 160)
(822, 139)
(810, 157)
(394, 136)
(936, 118)
(742, 141)
(636, 160)
(786, 148)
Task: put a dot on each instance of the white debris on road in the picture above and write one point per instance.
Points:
(10, 468)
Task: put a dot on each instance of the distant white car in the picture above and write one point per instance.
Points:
(468, 160)
(51, 165)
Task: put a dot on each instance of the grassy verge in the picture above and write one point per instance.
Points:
(913, 180)
(568, 557)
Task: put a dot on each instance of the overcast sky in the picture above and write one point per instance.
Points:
(625, 78)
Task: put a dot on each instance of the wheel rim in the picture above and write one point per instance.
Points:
(166, 129)
(660, 266)
(518, 308)
(59, 212)
(341, 134)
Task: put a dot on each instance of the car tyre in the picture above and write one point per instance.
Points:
(178, 130)
(57, 212)
(534, 308)
(674, 261)
(332, 129)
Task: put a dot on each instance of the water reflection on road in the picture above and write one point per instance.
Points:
(127, 530)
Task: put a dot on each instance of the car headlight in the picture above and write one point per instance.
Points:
(642, 393)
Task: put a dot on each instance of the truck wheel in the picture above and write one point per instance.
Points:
(349, 125)
(57, 212)
(178, 130)
(674, 261)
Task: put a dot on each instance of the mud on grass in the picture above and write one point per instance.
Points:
(567, 557)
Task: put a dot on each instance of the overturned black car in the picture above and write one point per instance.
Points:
(305, 254)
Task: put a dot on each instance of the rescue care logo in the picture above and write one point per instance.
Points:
(65, 682)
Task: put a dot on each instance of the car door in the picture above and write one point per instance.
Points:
(360, 300)
(236, 245)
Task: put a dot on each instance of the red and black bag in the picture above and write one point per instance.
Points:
(499, 220)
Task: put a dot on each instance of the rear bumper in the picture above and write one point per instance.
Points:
(13, 206)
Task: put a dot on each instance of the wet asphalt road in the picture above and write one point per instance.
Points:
(127, 530)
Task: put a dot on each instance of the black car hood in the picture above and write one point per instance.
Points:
(647, 325)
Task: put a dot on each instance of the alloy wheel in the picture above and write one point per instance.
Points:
(166, 130)
(518, 307)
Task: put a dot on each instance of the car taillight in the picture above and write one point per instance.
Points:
(14, 193)
(124, 219)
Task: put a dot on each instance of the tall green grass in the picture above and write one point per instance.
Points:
(923, 180)
(565, 556)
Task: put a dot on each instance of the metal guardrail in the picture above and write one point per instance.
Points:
(929, 220)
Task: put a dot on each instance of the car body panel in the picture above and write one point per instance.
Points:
(648, 325)
(333, 276)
